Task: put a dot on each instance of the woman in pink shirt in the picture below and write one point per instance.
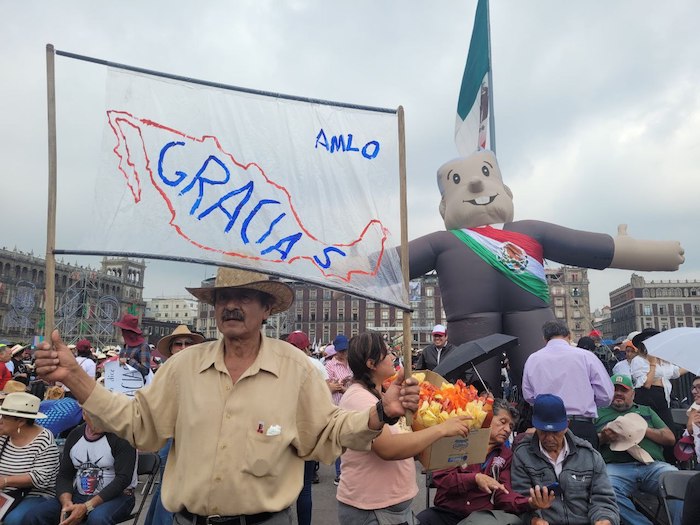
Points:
(380, 484)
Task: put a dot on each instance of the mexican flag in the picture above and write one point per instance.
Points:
(472, 126)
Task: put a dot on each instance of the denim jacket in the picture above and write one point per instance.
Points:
(586, 494)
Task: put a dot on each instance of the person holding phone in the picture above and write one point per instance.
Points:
(568, 465)
(482, 493)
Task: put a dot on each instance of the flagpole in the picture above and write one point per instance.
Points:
(492, 120)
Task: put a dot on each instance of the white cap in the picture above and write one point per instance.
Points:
(439, 329)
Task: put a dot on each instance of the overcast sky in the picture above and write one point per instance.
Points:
(597, 103)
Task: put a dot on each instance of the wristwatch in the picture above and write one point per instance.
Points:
(89, 507)
(383, 417)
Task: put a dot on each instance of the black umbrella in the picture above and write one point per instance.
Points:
(471, 353)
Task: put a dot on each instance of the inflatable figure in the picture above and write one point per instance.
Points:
(492, 278)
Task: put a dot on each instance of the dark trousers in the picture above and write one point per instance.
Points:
(438, 516)
(584, 430)
(655, 398)
(304, 504)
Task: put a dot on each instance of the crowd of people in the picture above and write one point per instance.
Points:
(241, 422)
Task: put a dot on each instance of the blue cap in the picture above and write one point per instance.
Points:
(549, 413)
(340, 343)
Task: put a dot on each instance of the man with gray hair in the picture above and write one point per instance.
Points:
(576, 375)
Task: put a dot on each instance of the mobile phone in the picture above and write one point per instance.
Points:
(554, 487)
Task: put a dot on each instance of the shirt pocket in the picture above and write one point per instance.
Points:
(578, 483)
(263, 454)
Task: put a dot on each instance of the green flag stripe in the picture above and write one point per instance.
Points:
(525, 280)
(477, 61)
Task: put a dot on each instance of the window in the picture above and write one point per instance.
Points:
(177, 306)
(165, 315)
(664, 326)
(370, 315)
(429, 291)
(575, 292)
(327, 294)
(385, 314)
(299, 295)
(679, 309)
(662, 309)
(312, 294)
(646, 309)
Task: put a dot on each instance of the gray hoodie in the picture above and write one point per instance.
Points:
(586, 494)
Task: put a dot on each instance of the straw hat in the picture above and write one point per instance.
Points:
(13, 386)
(234, 278)
(17, 349)
(21, 404)
(182, 330)
(631, 427)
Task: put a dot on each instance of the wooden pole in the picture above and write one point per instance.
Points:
(407, 337)
(50, 271)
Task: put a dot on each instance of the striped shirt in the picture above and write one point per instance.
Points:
(339, 372)
(39, 459)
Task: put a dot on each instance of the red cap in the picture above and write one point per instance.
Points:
(299, 339)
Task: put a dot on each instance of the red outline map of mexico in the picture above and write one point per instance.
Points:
(213, 187)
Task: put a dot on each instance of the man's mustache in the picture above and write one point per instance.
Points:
(232, 315)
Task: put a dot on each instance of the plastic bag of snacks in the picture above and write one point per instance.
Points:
(438, 404)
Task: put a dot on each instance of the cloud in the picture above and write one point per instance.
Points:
(597, 112)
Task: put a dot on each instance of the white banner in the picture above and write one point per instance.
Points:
(307, 191)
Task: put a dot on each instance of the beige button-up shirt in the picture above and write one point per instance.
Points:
(225, 458)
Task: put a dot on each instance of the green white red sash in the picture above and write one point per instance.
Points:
(516, 255)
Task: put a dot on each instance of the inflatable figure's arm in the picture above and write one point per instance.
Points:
(644, 255)
(422, 254)
(568, 246)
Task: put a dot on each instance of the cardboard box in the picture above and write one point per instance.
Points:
(454, 451)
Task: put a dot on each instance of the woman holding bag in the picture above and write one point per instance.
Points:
(378, 486)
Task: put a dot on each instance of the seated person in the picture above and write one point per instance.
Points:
(95, 481)
(62, 413)
(571, 467)
(639, 467)
(483, 491)
(28, 457)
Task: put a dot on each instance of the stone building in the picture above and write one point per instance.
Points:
(654, 304)
(568, 290)
(87, 300)
(323, 314)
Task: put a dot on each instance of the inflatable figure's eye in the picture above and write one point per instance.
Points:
(485, 171)
(456, 178)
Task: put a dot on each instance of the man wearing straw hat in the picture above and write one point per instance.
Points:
(245, 411)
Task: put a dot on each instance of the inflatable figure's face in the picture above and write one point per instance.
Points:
(473, 193)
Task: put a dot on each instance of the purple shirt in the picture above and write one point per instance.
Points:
(574, 374)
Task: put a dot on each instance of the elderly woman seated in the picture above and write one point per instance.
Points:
(28, 457)
(482, 493)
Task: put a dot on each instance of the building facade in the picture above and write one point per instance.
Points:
(87, 300)
(568, 290)
(178, 310)
(654, 304)
(323, 313)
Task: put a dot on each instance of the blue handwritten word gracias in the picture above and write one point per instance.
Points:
(341, 143)
(240, 205)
